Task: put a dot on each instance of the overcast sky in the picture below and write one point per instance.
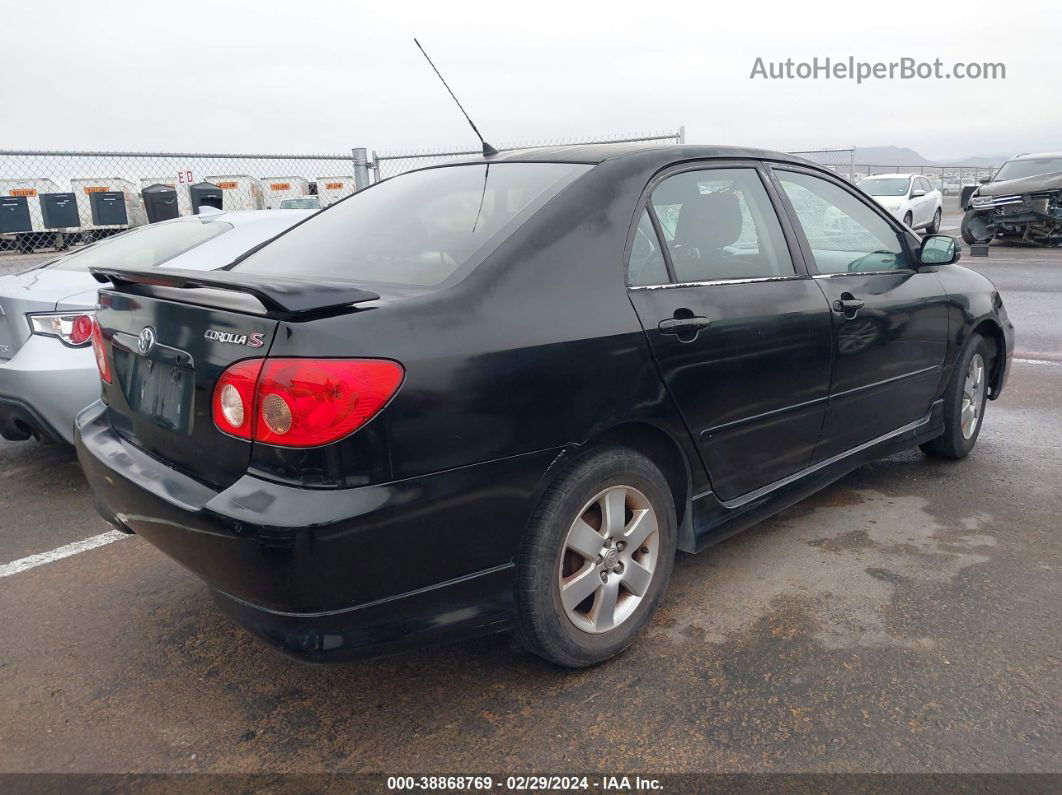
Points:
(311, 76)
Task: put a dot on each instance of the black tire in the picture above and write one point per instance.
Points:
(908, 220)
(953, 443)
(967, 235)
(542, 622)
(934, 226)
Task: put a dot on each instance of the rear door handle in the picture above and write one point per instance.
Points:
(683, 325)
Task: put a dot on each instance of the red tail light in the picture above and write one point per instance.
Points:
(302, 402)
(233, 403)
(101, 355)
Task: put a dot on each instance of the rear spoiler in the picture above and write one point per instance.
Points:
(278, 294)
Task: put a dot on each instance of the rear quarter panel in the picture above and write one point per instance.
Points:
(538, 348)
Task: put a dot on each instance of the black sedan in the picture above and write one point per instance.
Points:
(502, 394)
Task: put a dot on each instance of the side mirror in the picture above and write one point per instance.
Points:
(917, 192)
(938, 250)
(985, 180)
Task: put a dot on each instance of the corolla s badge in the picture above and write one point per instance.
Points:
(255, 340)
(146, 341)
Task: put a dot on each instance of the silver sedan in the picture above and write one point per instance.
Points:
(47, 370)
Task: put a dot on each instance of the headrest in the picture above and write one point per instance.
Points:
(710, 221)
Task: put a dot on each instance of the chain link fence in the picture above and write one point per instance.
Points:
(949, 179)
(50, 201)
(840, 160)
(390, 164)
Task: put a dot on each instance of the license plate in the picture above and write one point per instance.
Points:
(162, 392)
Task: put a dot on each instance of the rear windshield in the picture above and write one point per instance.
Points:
(418, 228)
(1028, 167)
(885, 186)
(145, 246)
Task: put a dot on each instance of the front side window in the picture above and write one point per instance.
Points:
(417, 228)
(845, 235)
(145, 246)
(646, 265)
(719, 224)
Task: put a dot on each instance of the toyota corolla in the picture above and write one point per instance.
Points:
(502, 394)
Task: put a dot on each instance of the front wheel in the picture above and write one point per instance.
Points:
(908, 220)
(964, 403)
(967, 233)
(597, 558)
(934, 227)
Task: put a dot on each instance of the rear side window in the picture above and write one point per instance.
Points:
(418, 228)
(145, 246)
(720, 224)
(646, 265)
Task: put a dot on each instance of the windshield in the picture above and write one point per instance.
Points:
(304, 203)
(418, 228)
(145, 246)
(885, 186)
(1028, 167)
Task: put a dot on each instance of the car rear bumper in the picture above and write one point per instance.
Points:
(49, 383)
(330, 573)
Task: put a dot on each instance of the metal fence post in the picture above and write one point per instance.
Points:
(375, 167)
(361, 168)
(682, 134)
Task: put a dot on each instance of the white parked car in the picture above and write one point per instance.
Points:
(909, 198)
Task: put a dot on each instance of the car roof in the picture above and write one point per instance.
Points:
(664, 153)
(894, 176)
(1029, 155)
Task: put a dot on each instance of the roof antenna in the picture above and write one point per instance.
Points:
(488, 150)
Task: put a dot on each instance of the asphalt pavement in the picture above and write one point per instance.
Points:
(904, 619)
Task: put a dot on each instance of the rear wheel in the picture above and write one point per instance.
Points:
(596, 559)
(964, 403)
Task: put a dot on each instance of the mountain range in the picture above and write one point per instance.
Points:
(903, 156)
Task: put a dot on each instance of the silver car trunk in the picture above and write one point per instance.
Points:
(38, 290)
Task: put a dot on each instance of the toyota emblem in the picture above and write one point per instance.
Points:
(146, 341)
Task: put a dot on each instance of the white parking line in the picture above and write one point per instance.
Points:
(31, 562)
(1047, 362)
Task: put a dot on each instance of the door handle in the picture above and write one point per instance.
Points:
(848, 305)
(683, 325)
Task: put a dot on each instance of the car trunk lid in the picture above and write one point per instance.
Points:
(37, 290)
(171, 334)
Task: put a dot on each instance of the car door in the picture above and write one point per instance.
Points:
(889, 320)
(925, 201)
(740, 333)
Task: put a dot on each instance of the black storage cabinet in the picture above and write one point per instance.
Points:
(59, 211)
(205, 194)
(108, 208)
(160, 203)
(14, 214)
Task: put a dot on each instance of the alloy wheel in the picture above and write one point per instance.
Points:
(610, 555)
(972, 396)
